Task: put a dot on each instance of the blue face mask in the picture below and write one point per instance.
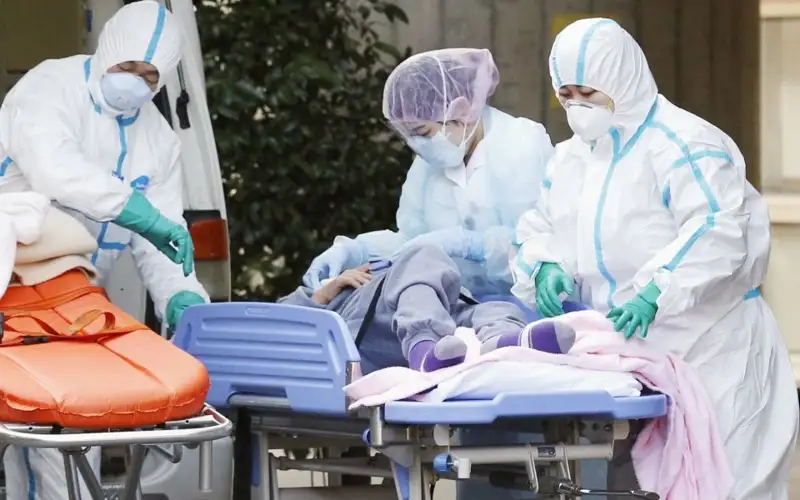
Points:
(125, 92)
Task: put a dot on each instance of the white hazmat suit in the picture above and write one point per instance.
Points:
(662, 197)
(59, 137)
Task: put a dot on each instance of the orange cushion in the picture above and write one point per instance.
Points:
(131, 380)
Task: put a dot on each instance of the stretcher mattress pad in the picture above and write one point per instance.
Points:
(75, 375)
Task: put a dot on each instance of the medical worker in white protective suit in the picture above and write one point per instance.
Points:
(83, 131)
(646, 210)
(476, 171)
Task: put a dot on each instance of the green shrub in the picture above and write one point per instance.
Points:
(295, 91)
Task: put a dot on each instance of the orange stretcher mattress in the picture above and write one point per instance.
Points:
(69, 357)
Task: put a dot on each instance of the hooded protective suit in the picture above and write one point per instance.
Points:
(662, 197)
(59, 137)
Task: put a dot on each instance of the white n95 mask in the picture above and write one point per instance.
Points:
(125, 92)
(589, 121)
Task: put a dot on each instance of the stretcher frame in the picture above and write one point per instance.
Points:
(284, 409)
(429, 452)
(197, 431)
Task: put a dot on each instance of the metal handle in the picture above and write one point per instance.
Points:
(206, 465)
(570, 489)
(646, 495)
(210, 426)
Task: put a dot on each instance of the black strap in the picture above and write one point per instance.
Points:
(243, 455)
(373, 304)
(469, 300)
(370, 314)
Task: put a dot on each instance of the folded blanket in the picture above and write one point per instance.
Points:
(21, 218)
(680, 456)
(64, 244)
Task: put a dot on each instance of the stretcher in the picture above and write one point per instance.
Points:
(283, 368)
(76, 372)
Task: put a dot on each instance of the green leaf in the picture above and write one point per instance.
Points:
(394, 13)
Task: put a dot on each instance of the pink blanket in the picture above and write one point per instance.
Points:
(679, 456)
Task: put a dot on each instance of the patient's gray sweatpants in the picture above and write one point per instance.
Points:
(419, 302)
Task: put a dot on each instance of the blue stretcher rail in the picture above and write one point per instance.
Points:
(271, 350)
(302, 356)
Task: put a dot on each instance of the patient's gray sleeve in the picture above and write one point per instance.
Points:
(490, 319)
(421, 289)
(300, 297)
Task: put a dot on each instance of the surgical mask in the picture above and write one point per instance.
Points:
(589, 121)
(125, 92)
(439, 151)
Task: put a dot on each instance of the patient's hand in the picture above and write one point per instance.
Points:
(352, 278)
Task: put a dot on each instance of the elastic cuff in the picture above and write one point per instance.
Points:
(650, 293)
(669, 294)
(418, 353)
(527, 269)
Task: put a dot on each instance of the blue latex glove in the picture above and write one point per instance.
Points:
(456, 242)
(344, 255)
(178, 303)
(637, 313)
(551, 281)
(171, 239)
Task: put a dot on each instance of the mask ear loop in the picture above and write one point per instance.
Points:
(464, 137)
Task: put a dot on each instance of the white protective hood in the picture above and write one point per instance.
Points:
(613, 63)
(124, 38)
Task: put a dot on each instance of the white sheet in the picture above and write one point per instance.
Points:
(487, 380)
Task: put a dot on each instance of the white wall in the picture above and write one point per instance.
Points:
(780, 161)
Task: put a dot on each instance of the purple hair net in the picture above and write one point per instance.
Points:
(440, 86)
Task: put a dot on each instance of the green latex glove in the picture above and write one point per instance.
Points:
(180, 302)
(551, 281)
(637, 313)
(171, 239)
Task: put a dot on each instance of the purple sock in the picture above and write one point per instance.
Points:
(428, 356)
(547, 336)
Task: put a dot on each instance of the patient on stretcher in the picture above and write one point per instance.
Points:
(419, 305)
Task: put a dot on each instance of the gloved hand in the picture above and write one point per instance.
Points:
(171, 239)
(178, 303)
(347, 254)
(456, 242)
(551, 281)
(640, 311)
